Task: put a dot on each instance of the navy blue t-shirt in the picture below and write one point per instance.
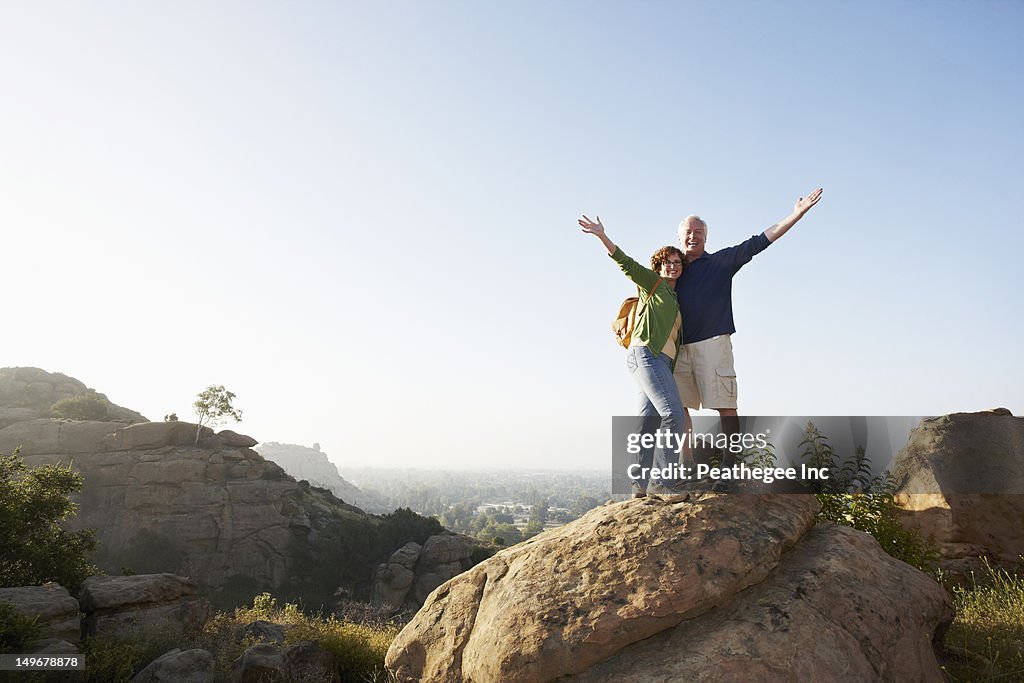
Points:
(704, 290)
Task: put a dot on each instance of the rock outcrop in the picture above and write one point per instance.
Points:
(154, 497)
(53, 608)
(414, 571)
(29, 393)
(649, 589)
(961, 480)
(312, 465)
(304, 661)
(120, 606)
(175, 666)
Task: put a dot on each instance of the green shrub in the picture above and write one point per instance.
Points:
(854, 497)
(34, 548)
(986, 638)
(81, 407)
(359, 648)
(16, 630)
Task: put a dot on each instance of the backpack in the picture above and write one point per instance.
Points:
(622, 326)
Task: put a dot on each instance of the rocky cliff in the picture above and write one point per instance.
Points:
(30, 393)
(311, 464)
(215, 511)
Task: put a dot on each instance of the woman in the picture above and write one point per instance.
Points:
(654, 346)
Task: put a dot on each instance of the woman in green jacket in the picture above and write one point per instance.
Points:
(654, 346)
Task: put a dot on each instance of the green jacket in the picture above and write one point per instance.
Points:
(654, 321)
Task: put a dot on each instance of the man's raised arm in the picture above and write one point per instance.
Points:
(802, 206)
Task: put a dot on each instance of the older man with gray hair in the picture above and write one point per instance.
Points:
(705, 372)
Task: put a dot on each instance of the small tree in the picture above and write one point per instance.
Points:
(213, 405)
(34, 548)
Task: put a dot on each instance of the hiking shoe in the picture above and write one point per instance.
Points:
(639, 491)
(672, 494)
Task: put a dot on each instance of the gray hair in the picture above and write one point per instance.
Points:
(692, 219)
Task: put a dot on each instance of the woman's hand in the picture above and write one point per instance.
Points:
(595, 228)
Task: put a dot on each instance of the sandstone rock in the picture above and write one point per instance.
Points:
(429, 578)
(234, 439)
(125, 605)
(573, 596)
(312, 465)
(64, 437)
(391, 585)
(306, 661)
(961, 480)
(263, 663)
(393, 579)
(223, 525)
(446, 548)
(175, 666)
(837, 608)
(29, 393)
(57, 611)
(112, 592)
(149, 435)
(407, 555)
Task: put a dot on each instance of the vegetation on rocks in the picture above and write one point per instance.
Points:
(854, 497)
(986, 640)
(34, 548)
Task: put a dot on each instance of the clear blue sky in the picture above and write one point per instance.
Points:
(361, 217)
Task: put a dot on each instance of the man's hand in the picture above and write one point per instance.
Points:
(804, 204)
(591, 227)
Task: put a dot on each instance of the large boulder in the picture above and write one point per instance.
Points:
(837, 608)
(303, 661)
(717, 587)
(120, 606)
(55, 611)
(960, 479)
(574, 596)
(175, 666)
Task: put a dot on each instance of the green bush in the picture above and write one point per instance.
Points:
(34, 548)
(853, 497)
(81, 407)
(16, 630)
(359, 648)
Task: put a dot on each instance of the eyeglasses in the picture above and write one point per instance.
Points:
(674, 263)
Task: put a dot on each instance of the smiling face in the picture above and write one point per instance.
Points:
(668, 262)
(693, 233)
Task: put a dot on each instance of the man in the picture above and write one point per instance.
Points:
(704, 371)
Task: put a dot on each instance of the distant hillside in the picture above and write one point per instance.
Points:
(312, 465)
(31, 393)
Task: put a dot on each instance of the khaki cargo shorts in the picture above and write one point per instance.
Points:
(706, 375)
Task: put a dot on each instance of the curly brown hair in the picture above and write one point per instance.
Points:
(659, 257)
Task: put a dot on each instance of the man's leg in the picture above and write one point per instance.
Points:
(714, 369)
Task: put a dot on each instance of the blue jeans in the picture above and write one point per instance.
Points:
(660, 406)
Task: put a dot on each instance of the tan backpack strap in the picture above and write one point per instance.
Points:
(650, 295)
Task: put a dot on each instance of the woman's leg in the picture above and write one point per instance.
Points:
(648, 423)
(654, 375)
